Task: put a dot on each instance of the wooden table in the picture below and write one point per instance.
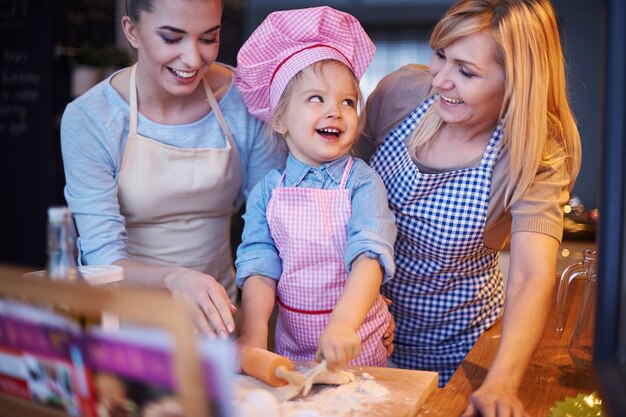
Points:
(550, 377)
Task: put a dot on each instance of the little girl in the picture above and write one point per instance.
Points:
(318, 236)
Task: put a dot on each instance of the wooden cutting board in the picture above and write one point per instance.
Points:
(407, 391)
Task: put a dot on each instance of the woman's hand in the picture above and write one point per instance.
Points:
(390, 331)
(494, 400)
(206, 299)
(339, 344)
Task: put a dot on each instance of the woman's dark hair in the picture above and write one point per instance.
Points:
(134, 8)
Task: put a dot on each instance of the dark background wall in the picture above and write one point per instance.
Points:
(39, 40)
(37, 37)
(581, 23)
(34, 89)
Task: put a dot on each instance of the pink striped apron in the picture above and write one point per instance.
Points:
(310, 229)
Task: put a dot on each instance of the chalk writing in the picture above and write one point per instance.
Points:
(13, 11)
(20, 88)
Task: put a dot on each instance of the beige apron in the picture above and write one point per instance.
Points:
(178, 202)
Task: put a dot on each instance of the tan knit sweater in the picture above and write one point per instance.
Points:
(540, 209)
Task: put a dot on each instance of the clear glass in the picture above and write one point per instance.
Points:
(61, 264)
(581, 345)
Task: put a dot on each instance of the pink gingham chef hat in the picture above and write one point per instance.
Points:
(289, 41)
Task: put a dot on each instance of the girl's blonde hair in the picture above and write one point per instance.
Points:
(535, 106)
(276, 138)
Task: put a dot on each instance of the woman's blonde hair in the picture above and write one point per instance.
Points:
(535, 106)
(276, 139)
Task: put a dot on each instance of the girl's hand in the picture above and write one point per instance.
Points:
(339, 344)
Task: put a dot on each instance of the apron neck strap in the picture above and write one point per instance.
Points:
(346, 173)
(218, 113)
(215, 107)
(133, 101)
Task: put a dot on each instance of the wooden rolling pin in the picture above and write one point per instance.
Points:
(269, 367)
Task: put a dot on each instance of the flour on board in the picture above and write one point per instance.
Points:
(351, 399)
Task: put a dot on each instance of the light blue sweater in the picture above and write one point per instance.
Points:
(94, 129)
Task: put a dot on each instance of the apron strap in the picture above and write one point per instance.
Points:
(282, 178)
(210, 96)
(219, 115)
(133, 101)
(346, 173)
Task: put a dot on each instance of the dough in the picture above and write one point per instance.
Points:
(321, 375)
(337, 377)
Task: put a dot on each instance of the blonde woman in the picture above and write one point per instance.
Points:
(479, 150)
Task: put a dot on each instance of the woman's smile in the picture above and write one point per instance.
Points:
(182, 74)
(450, 100)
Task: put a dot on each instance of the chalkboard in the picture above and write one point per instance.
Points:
(23, 67)
(27, 133)
(34, 90)
(86, 21)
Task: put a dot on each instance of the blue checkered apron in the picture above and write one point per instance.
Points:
(448, 287)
